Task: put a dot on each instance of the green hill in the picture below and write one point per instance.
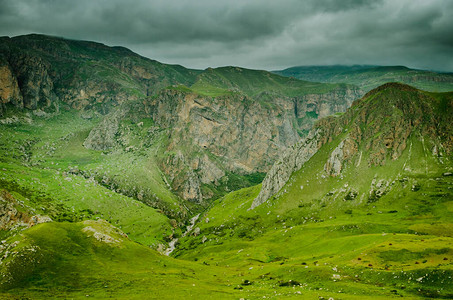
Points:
(93, 259)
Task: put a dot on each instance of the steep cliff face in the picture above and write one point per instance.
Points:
(291, 160)
(233, 128)
(211, 137)
(317, 106)
(34, 80)
(9, 88)
(374, 131)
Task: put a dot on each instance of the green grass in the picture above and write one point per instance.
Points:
(46, 163)
(67, 260)
(376, 247)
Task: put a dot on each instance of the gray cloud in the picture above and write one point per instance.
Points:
(254, 33)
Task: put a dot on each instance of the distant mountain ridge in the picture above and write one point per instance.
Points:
(43, 72)
(368, 77)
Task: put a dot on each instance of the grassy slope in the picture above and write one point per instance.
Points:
(304, 236)
(72, 260)
(55, 260)
(36, 160)
(369, 77)
(382, 246)
(314, 234)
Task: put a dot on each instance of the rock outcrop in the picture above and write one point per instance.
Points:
(14, 214)
(233, 128)
(292, 160)
(9, 88)
(334, 163)
(103, 137)
(317, 106)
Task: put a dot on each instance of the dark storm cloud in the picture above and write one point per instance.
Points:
(164, 21)
(253, 33)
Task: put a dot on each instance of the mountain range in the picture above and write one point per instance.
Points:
(256, 183)
(368, 77)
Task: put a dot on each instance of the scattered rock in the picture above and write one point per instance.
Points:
(289, 283)
(246, 282)
(196, 231)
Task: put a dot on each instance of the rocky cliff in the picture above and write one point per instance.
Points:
(375, 130)
(211, 138)
(43, 72)
(312, 107)
(291, 160)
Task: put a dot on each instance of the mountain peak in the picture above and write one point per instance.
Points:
(391, 85)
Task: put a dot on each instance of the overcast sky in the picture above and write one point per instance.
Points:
(263, 34)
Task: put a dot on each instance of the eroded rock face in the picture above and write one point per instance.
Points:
(292, 160)
(211, 137)
(234, 128)
(14, 214)
(343, 152)
(334, 163)
(242, 135)
(209, 172)
(9, 88)
(103, 137)
(34, 80)
(42, 72)
(319, 106)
